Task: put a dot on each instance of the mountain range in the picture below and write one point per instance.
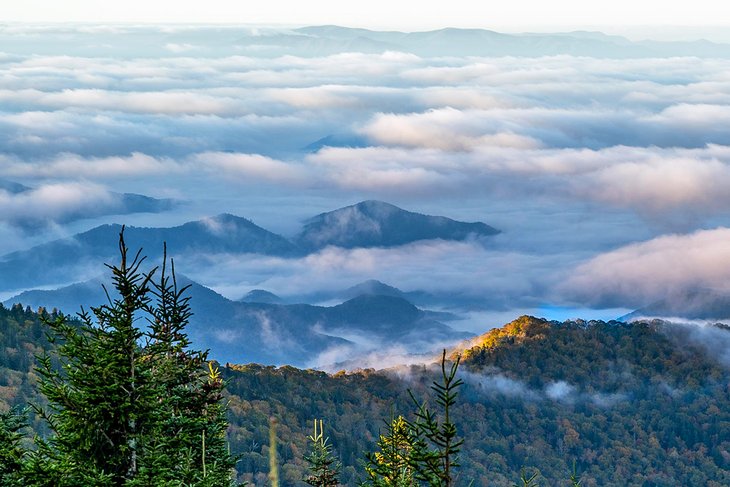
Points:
(325, 40)
(366, 224)
(272, 333)
(332, 39)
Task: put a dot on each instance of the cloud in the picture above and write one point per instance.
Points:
(253, 166)
(179, 48)
(75, 166)
(445, 129)
(644, 272)
(380, 356)
(62, 202)
(560, 391)
(669, 185)
(714, 340)
(570, 156)
(494, 382)
(491, 382)
(155, 102)
(466, 270)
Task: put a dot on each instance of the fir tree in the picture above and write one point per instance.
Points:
(11, 451)
(131, 406)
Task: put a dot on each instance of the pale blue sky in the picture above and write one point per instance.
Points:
(405, 15)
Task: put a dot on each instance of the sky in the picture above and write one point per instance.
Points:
(607, 174)
(380, 14)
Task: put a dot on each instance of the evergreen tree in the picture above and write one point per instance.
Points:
(436, 444)
(323, 467)
(11, 451)
(131, 406)
(392, 465)
(191, 423)
(527, 480)
(422, 450)
(575, 480)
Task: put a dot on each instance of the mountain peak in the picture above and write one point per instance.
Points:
(692, 304)
(261, 296)
(12, 187)
(372, 287)
(374, 223)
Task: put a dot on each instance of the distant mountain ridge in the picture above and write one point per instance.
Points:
(71, 258)
(326, 40)
(367, 224)
(332, 39)
(12, 187)
(694, 304)
(273, 333)
(379, 224)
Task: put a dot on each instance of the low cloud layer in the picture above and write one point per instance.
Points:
(608, 177)
(34, 209)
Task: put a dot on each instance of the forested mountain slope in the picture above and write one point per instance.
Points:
(645, 404)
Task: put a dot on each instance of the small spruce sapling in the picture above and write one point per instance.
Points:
(436, 444)
(392, 465)
(324, 469)
(527, 480)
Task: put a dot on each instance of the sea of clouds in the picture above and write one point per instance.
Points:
(608, 177)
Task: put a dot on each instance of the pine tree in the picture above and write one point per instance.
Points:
(575, 479)
(323, 467)
(131, 406)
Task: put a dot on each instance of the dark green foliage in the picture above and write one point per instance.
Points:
(324, 469)
(129, 406)
(11, 451)
(651, 406)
